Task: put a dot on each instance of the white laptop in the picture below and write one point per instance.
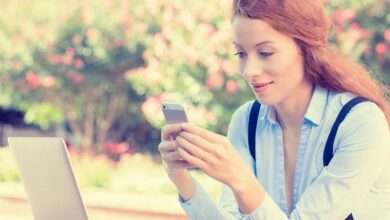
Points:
(48, 179)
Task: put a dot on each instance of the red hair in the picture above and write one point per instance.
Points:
(306, 22)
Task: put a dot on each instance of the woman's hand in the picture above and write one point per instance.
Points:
(213, 154)
(173, 162)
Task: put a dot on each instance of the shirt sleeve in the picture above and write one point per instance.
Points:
(201, 206)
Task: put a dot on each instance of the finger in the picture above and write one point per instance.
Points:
(168, 130)
(199, 142)
(167, 146)
(192, 149)
(171, 156)
(181, 164)
(194, 161)
(204, 133)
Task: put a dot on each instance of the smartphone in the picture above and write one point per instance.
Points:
(174, 113)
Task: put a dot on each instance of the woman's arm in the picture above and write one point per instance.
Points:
(195, 201)
(248, 192)
(184, 183)
(214, 155)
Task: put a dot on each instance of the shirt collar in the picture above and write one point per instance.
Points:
(268, 112)
(314, 112)
(264, 112)
(316, 109)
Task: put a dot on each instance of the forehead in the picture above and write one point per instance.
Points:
(248, 32)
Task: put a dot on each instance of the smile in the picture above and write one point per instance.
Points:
(260, 87)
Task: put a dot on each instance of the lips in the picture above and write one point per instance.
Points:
(260, 87)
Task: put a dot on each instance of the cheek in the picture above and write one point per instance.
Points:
(291, 66)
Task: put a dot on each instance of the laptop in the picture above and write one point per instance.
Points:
(47, 177)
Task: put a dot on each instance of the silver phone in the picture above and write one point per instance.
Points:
(174, 113)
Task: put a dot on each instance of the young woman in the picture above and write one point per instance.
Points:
(302, 85)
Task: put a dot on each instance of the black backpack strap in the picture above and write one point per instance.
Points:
(328, 152)
(350, 217)
(253, 117)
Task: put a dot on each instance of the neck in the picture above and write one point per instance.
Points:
(289, 112)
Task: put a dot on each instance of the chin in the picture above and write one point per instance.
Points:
(266, 100)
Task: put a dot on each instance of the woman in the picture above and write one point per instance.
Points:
(302, 85)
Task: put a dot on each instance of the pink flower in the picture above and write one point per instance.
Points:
(70, 51)
(68, 58)
(214, 80)
(78, 63)
(231, 87)
(344, 15)
(381, 48)
(114, 147)
(76, 78)
(33, 80)
(55, 59)
(338, 28)
(387, 34)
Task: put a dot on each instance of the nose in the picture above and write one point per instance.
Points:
(251, 68)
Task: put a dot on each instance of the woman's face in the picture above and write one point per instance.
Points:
(270, 61)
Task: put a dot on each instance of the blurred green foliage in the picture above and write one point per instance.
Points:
(104, 67)
(8, 172)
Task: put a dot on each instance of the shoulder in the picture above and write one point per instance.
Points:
(239, 121)
(241, 115)
(364, 111)
(365, 122)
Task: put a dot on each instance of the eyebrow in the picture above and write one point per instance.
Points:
(258, 44)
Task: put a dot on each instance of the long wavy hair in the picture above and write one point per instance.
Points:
(306, 22)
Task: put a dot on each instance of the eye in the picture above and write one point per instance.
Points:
(265, 54)
(240, 54)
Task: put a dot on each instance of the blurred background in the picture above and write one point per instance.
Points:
(95, 73)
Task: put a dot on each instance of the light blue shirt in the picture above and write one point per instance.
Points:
(357, 179)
